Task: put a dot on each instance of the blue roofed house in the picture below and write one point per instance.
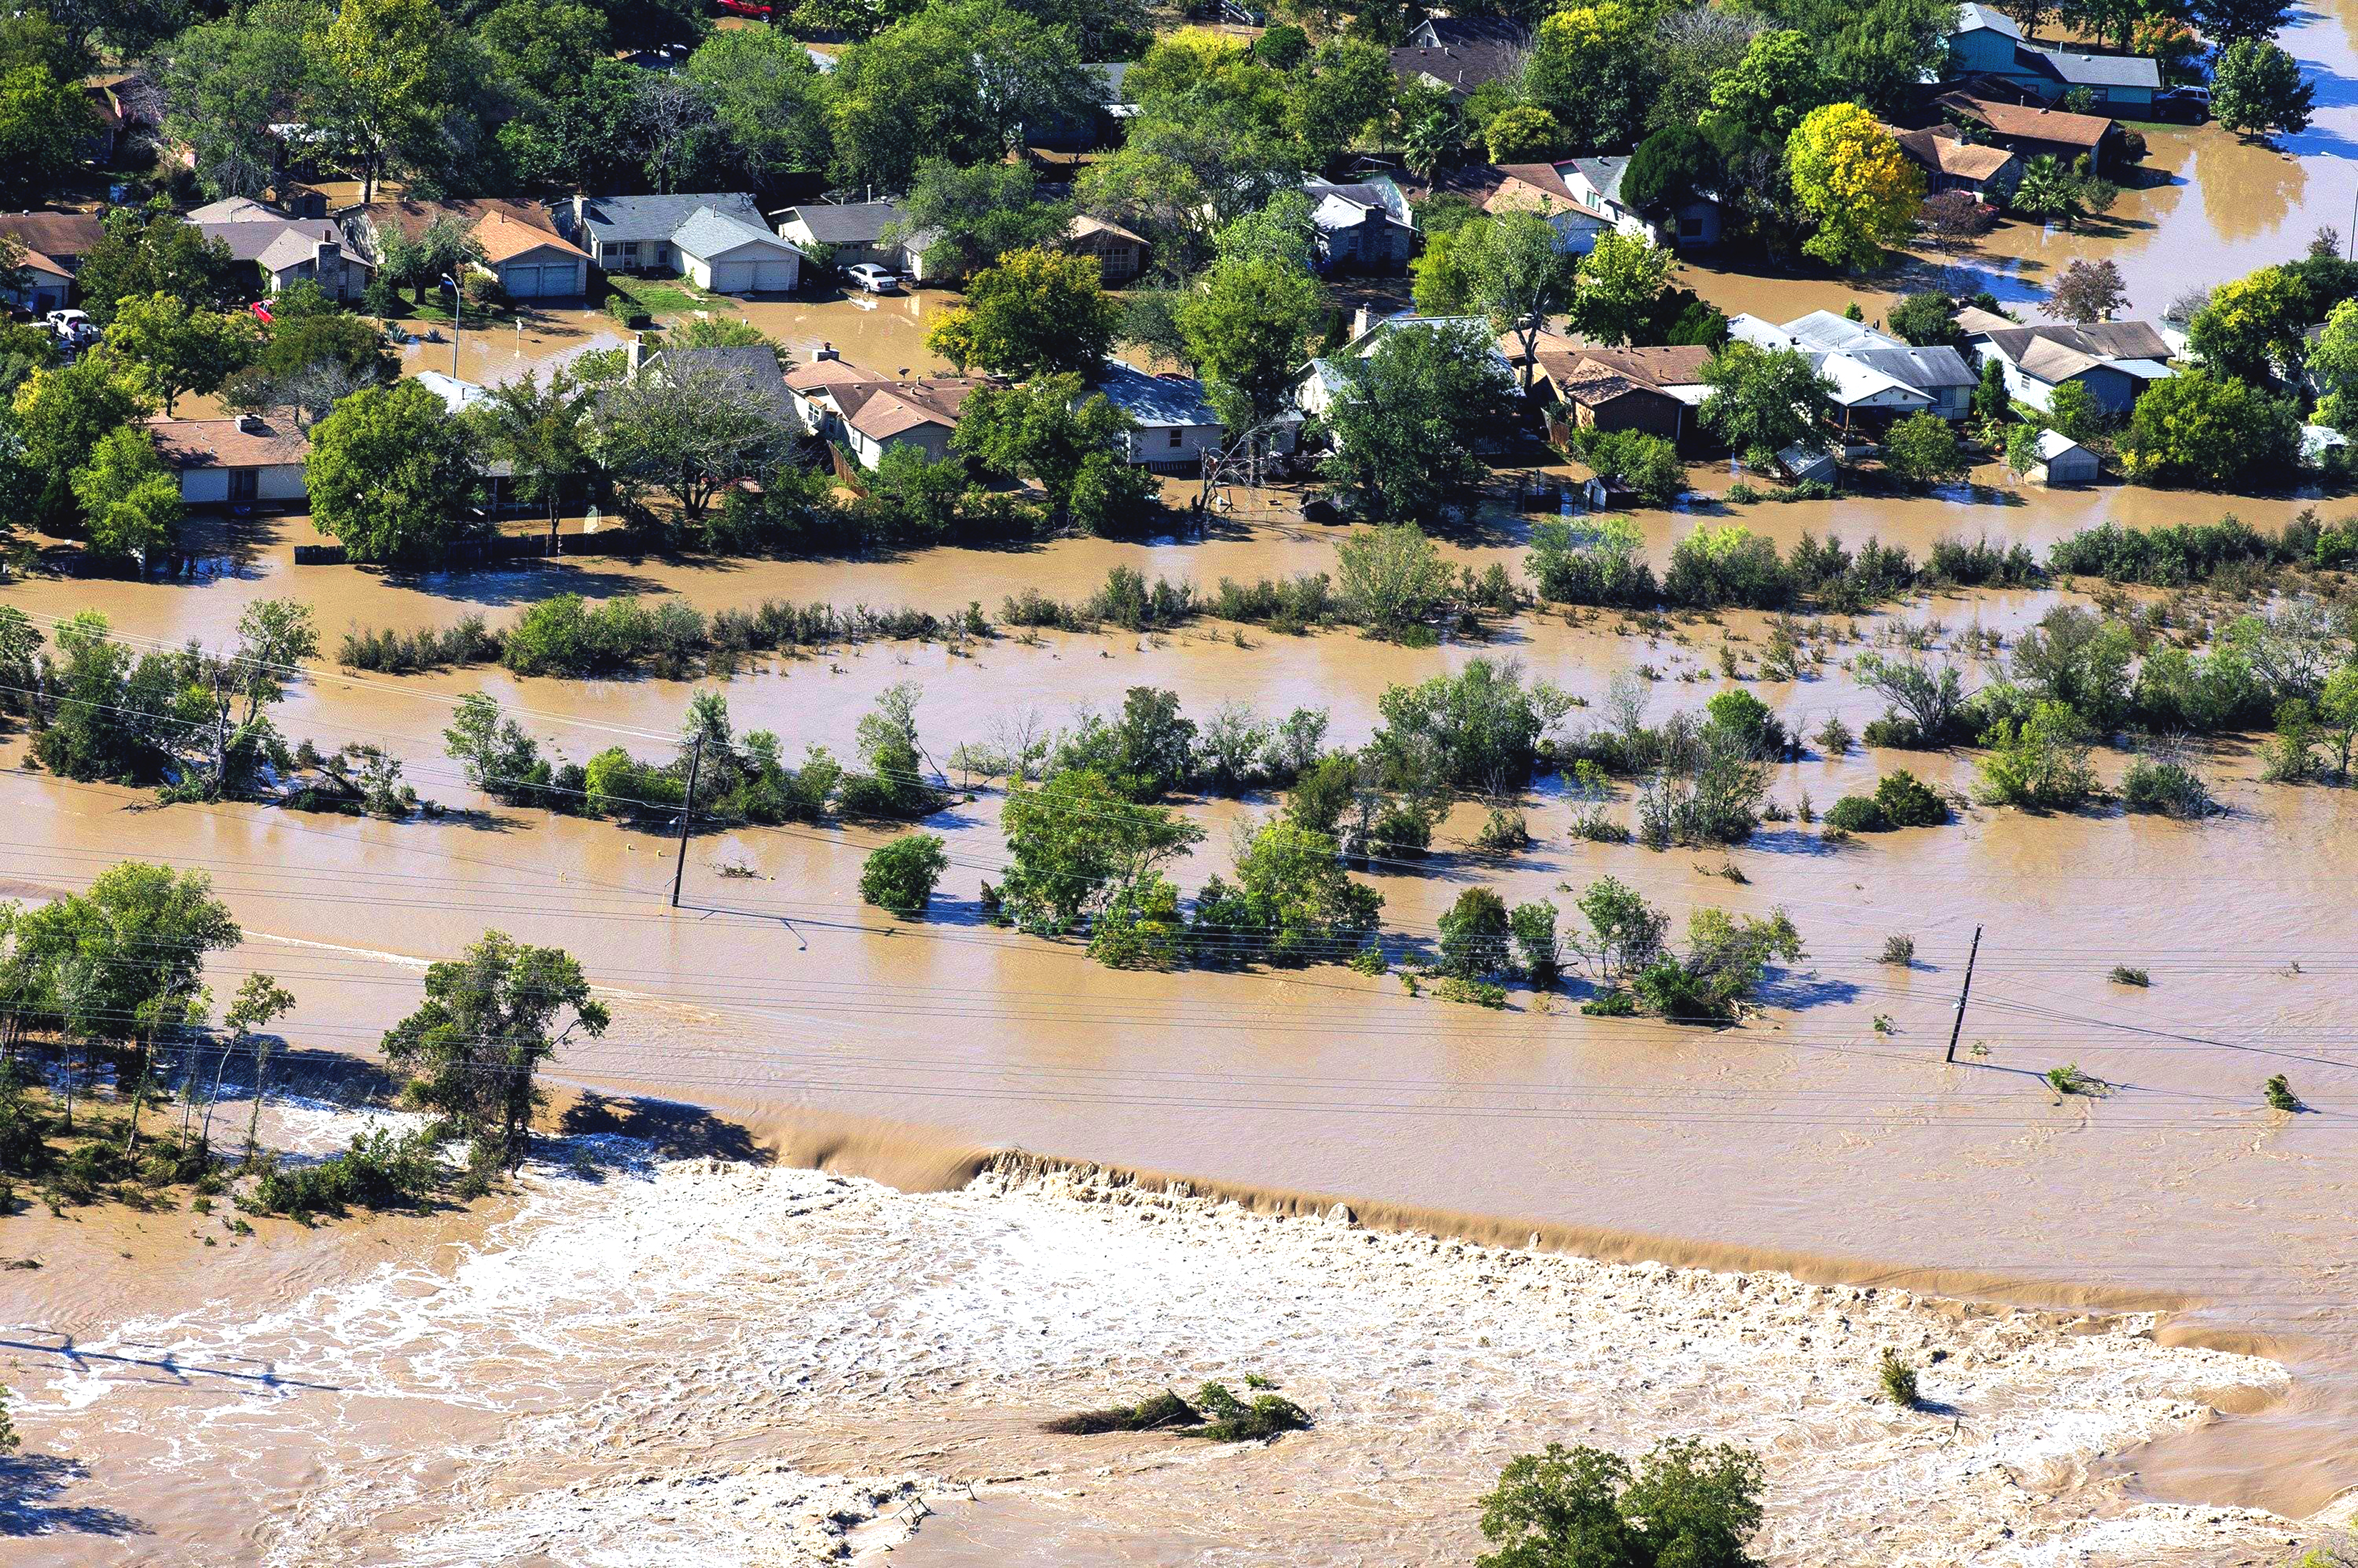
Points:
(2114, 360)
(1177, 424)
(718, 240)
(1987, 43)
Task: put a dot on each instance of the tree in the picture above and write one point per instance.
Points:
(2229, 22)
(1475, 932)
(688, 426)
(1408, 415)
(1926, 320)
(2050, 192)
(675, 132)
(1952, 219)
(1523, 133)
(1074, 442)
(2072, 409)
(260, 1001)
(1343, 95)
(1670, 168)
(2333, 360)
(1292, 901)
(123, 960)
(43, 123)
(1586, 67)
(2253, 325)
(543, 49)
(1512, 267)
(61, 417)
(130, 501)
(1244, 325)
(386, 66)
(2257, 90)
(541, 433)
(1076, 847)
(1922, 450)
(176, 347)
(2040, 760)
(390, 475)
(1764, 400)
(312, 355)
(1850, 175)
(488, 1022)
(1779, 81)
(2198, 427)
(227, 83)
(2087, 291)
(768, 98)
(1690, 1505)
(1036, 311)
(151, 251)
(1621, 285)
(971, 217)
(956, 80)
(900, 876)
(1393, 577)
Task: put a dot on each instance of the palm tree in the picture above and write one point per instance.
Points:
(2048, 190)
(540, 432)
(1427, 142)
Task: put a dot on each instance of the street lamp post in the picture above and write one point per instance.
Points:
(458, 308)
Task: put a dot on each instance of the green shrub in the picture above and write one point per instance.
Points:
(900, 876)
(2166, 788)
(2280, 1095)
(1233, 1421)
(1896, 1379)
(379, 1171)
(1899, 949)
(1907, 801)
(1611, 1004)
(2124, 975)
(1856, 814)
(1164, 1412)
(1473, 993)
(1474, 935)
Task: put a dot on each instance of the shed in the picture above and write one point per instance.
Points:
(2062, 460)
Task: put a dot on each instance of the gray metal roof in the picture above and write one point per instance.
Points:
(1605, 173)
(756, 367)
(708, 232)
(626, 219)
(1156, 400)
(1926, 370)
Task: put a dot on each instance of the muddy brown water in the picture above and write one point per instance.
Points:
(1810, 1139)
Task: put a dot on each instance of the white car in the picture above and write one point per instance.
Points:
(72, 326)
(873, 278)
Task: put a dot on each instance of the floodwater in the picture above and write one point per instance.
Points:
(1812, 1139)
(2208, 206)
(641, 1359)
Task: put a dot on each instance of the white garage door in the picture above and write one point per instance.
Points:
(732, 276)
(774, 276)
(523, 282)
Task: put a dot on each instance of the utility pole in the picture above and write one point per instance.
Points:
(688, 809)
(1962, 991)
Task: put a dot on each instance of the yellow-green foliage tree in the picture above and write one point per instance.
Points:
(1850, 176)
(1036, 311)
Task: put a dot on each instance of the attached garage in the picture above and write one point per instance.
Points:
(728, 255)
(541, 276)
(522, 282)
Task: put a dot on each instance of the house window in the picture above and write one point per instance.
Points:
(1690, 228)
(1174, 438)
(241, 484)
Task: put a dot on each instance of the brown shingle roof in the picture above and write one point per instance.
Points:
(505, 237)
(505, 228)
(63, 237)
(2033, 125)
(228, 443)
(1669, 364)
(1943, 150)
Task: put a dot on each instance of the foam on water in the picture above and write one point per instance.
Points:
(638, 1366)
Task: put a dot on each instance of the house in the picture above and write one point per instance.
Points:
(1977, 323)
(127, 108)
(1987, 174)
(1595, 185)
(520, 245)
(1987, 43)
(2062, 460)
(1175, 423)
(457, 395)
(1656, 390)
(1878, 379)
(1317, 383)
(1541, 188)
(1458, 54)
(2028, 133)
(1122, 256)
(285, 250)
(243, 462)
(847, 233)
(1365, 226)
(752, 366)
(718, 240)
(2115, 361)
(869, 412)
(55, 244)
